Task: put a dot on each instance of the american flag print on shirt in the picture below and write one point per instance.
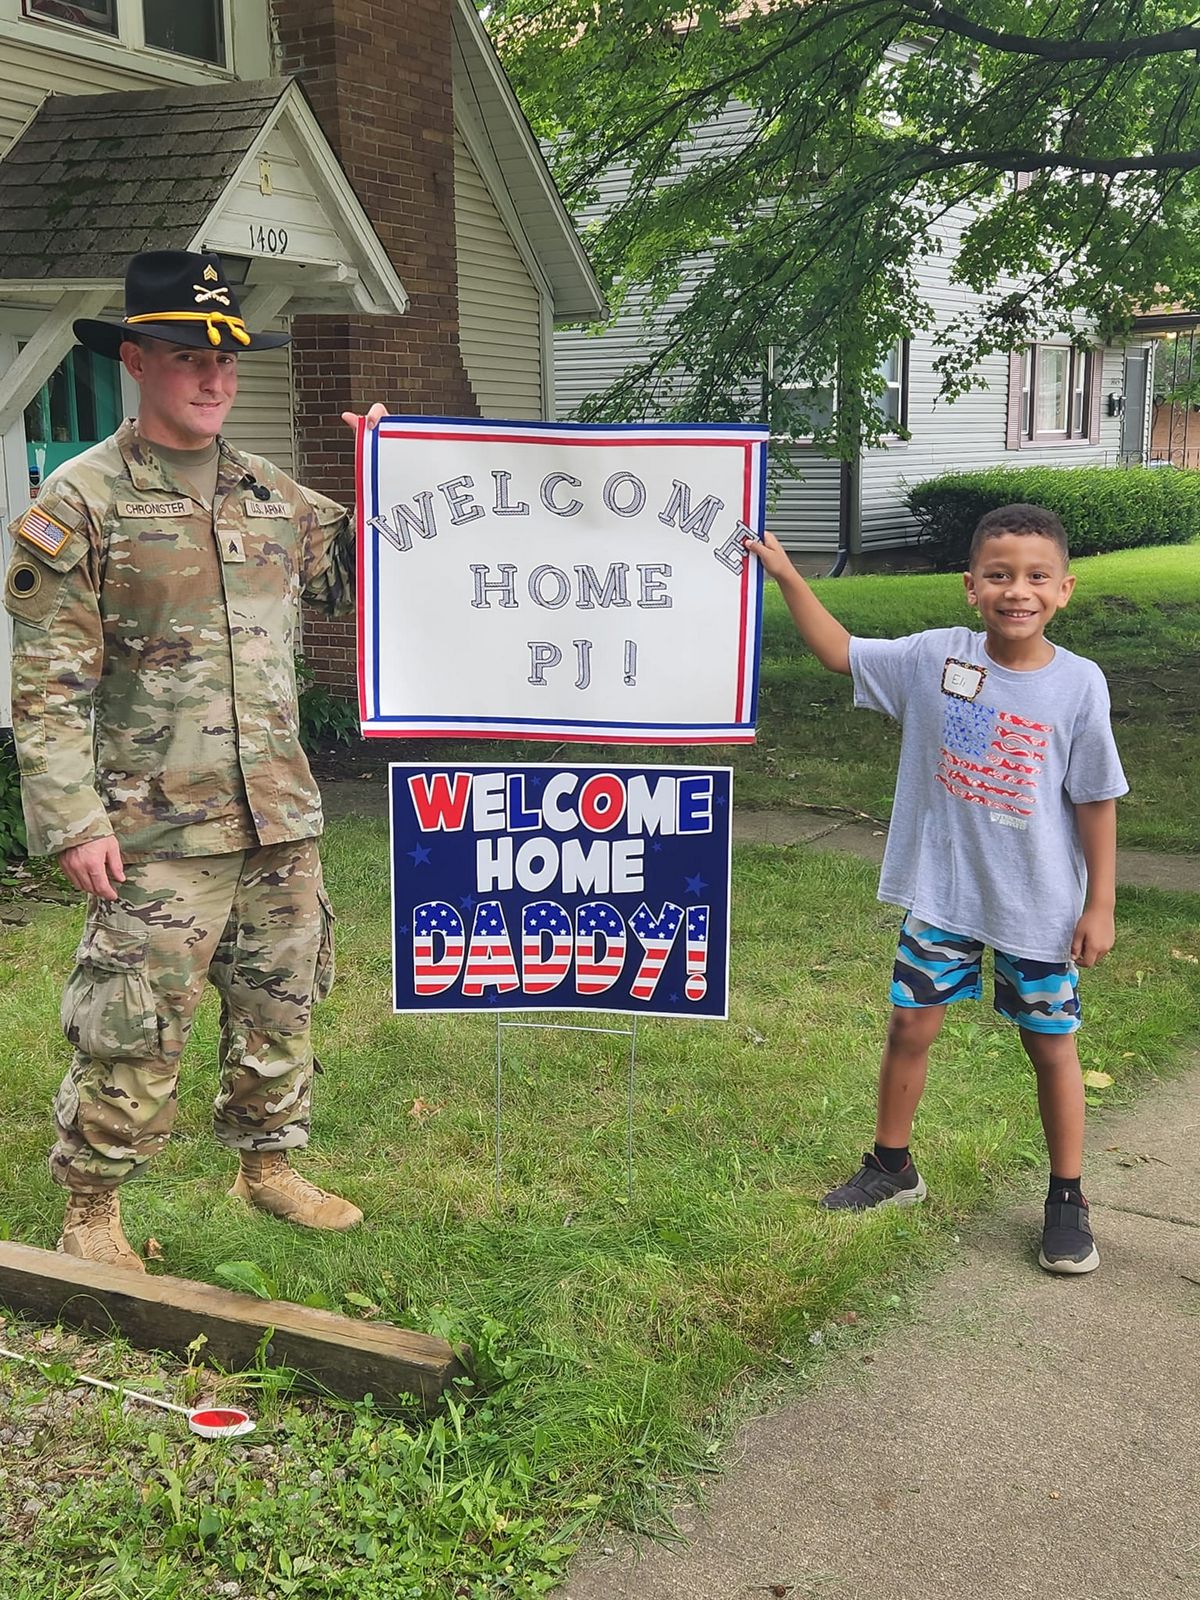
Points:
(992, 758)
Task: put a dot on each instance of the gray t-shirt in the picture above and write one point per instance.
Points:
(983, 839)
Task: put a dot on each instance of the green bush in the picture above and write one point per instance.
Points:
(12, 822)
(325, 718)
(1102, 508)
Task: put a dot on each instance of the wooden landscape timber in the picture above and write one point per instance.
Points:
(348, 1358)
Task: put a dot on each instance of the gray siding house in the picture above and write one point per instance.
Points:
(1050, 404)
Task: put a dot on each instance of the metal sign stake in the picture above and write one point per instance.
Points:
(629, 1033)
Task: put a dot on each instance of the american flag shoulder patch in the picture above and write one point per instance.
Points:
(42, 531)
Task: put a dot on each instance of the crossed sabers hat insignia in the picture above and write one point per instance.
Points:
(182, 297)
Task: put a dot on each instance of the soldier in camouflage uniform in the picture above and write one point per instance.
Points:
(155, 591)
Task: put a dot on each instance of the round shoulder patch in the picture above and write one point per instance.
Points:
(24, 579)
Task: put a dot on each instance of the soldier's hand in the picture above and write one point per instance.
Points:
(94, 867)
(377, 411)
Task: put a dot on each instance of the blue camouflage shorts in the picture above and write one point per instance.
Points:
(935, 968)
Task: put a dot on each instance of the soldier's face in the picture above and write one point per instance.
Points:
(185, 393)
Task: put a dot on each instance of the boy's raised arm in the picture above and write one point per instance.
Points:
(821, 632)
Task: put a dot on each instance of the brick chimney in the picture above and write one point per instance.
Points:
(378, 76)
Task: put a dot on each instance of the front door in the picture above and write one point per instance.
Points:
(1133, 423)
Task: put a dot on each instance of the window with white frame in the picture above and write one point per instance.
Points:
(893, 402)
(817, 401)
(98, 14)
(1058, 399)
(193, 28)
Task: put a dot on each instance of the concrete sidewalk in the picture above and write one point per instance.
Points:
(1027, 1436)
(1144, 869)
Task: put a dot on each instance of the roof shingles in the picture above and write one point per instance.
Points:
(95, 178)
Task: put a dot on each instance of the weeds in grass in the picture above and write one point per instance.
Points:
(610, 1339)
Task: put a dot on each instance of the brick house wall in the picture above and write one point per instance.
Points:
(378, 76)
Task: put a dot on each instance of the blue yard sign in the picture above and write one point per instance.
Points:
(549, 888)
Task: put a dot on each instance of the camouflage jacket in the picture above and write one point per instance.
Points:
(154, 688)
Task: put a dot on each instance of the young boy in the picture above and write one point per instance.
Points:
(1003, 834)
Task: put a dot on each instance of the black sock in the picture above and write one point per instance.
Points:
(1058, 1185)
(890, 1158)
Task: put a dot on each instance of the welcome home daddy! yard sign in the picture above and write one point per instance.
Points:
(559, 581)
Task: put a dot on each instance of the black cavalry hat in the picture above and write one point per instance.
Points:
(180, 296)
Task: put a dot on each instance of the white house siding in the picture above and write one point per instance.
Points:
(39, 56)
(261, 420)
(28, 74)
(499, 304)
(585, 363)
(971, 432)
(803, 504)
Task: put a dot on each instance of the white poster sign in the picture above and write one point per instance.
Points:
(559, 581)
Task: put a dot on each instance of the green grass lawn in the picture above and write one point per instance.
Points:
(615, 1339)
(1136, 612)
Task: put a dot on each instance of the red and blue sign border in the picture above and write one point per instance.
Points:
(740, 729)
(702, 862)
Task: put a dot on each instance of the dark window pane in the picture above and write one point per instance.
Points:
(35, 420)
(62, 427)
(85, 397)
(100, 14)
(187, 27)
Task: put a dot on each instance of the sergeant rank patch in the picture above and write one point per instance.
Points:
(39, 528)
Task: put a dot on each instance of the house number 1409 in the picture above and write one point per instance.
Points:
(272, 240)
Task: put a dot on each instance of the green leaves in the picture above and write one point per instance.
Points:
(325, 718)
(1103, 508)
(12, 822)
(246, 1277)
(769, 180)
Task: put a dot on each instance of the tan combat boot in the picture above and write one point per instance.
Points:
(268, 1182)
(92, 1230)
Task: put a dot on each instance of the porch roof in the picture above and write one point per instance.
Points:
(92, 179)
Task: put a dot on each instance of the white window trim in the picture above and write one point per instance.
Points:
(127, 48)
(902, 386)
(1024, 410)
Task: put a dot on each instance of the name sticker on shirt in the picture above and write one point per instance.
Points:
(154, 508)
(961, 680)
(267, 508)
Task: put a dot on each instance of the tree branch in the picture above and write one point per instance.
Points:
(1150, 44)
(1033, 161)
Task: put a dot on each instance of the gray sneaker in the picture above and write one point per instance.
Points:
(1067, 1243)
(873, 1185)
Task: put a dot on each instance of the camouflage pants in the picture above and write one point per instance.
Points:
(256, 923)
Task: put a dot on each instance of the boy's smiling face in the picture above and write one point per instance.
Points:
(1018, 581)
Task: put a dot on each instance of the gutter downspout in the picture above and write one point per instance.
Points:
(849, 516)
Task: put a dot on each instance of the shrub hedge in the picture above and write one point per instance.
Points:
(1102, 508)
(12, 823)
